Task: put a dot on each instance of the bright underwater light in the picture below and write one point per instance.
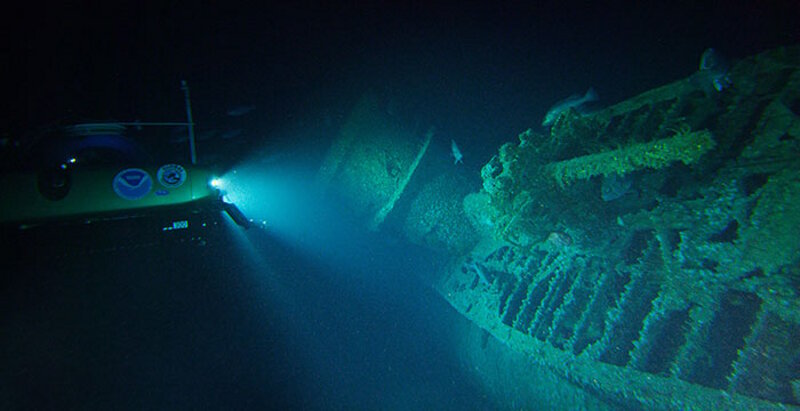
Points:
(228, 206)
(215, 182)
(286, 199)
(279, 197)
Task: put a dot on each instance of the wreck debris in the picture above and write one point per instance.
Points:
(691, 286)
(372, 161)
(685, 146)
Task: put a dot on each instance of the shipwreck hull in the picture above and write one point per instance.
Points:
(682, 296)
(612, 332)
(648, 253)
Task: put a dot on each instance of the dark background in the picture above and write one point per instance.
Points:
(483, 73)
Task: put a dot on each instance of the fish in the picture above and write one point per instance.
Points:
(456, 152)
(714, 69)
(240, 110)
(615, 186)
(575, 101)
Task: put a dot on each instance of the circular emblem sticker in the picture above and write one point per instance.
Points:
(132, 183)
(171, 175)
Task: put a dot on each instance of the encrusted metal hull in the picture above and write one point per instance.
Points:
(610, 331)
(684, 294)
(647, 253)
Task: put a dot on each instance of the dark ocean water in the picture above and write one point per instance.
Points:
(220, 327)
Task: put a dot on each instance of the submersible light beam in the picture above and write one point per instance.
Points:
(236, 215)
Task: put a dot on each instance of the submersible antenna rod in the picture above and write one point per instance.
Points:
(192, 150)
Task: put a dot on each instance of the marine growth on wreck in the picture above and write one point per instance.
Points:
(648, 248)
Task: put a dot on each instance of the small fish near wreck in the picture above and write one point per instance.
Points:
(713, 71)
(456, 152)
(575, 101)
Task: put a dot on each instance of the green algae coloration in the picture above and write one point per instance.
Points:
(690, 282)
(686, 147)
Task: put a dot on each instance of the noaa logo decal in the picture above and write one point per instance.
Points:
(171, 175)
(132, 183)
